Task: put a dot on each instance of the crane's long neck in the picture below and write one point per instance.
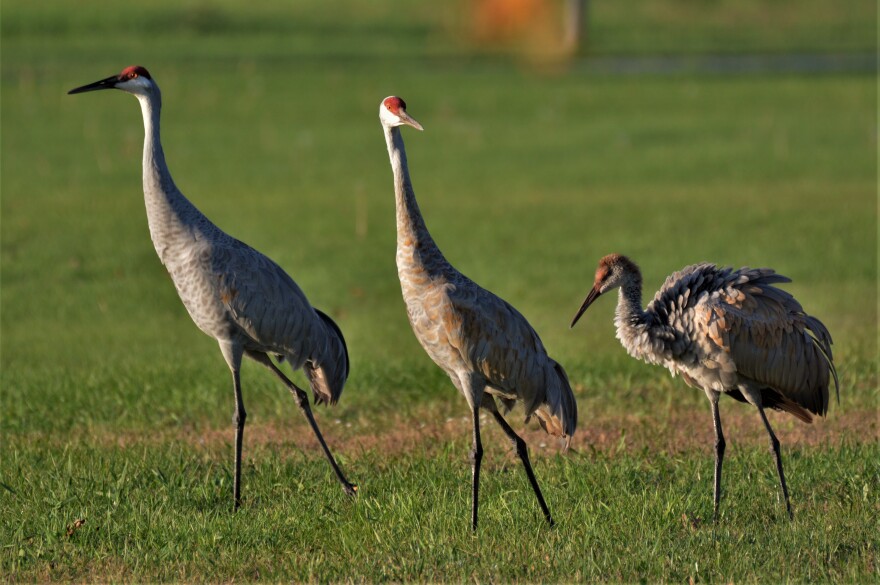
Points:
(631, 320)
(157, 179)
(415, 246)
(170, 215)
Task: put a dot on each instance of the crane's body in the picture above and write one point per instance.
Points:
(233, 293)
(487, 347)
(724, 329)
(728, 332)
(473, 334)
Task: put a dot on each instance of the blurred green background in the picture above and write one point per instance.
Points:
(532, 167)
(740, 132)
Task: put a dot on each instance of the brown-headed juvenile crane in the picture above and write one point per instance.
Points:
(486, 346)
(727, 332)
(235, 294)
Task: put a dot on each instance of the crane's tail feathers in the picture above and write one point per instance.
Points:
(822, 340)
(770, 398)
(557, 415)
(817, 333)
(780, 402)
(328, 372)
(335, 328)
(321, 390)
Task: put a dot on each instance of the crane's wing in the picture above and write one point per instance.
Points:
(264, 301)
(494, 339)
(670, 332)
(765, 335)
(328, 368)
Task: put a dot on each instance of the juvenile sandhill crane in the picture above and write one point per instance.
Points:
(236, 295)
(486, 346)
(727, 332)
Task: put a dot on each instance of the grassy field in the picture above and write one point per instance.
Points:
(116, 409)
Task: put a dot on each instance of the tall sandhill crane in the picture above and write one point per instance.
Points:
(727, 332)
(486, 346)
(236, 295)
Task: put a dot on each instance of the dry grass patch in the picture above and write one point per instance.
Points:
(674, 432)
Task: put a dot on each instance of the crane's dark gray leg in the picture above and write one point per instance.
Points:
(774, 446)
(476, 457)
(523, 452)
(719, 452)
(238, 419)
(302, 400)
(232, 354)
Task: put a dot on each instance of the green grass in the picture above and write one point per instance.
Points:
(116, 409)
(162, 511)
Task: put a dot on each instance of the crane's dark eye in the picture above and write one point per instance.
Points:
(132, 75)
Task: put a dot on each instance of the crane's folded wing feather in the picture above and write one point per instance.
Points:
(764, 333)
(495, 339)
(264, 301)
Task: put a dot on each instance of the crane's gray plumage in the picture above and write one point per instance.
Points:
(727, 332)
(233, 293)
(487, 347)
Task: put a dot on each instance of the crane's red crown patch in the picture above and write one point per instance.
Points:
(134, 71)
(394, 104)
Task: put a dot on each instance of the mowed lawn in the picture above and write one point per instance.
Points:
(116, 453)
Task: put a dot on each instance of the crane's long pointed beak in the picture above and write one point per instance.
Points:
(410, 121)
(108, 83)
(592, 296)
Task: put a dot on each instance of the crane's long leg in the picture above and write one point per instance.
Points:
(232, 354)
(774, 446)
(238, 419)
(476, 457)
(523, 451)
(302, 400)
(719, 453)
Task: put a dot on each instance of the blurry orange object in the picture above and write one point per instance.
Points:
(504, 20)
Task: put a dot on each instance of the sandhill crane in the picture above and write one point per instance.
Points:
(235, 294)
(727, 332)
(486, 346)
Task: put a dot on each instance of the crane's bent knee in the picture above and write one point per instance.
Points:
(238, 418)
(476, 454)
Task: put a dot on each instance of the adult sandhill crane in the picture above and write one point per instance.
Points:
(235, 294)
(727, 332)
(486, 346)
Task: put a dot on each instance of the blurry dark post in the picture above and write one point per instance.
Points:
(575, 24)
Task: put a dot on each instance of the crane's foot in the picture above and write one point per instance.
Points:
(350, 489)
